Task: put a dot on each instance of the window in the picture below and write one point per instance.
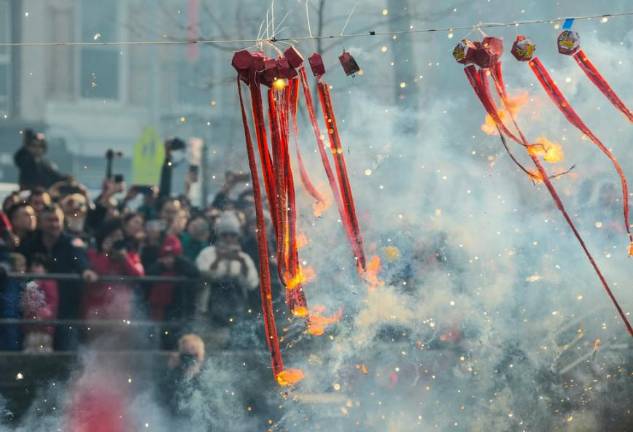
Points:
(5, 57)
(99, 66)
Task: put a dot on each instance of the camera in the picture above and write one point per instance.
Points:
(176, 144)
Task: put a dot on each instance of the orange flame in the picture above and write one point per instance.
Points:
(317, 323)
(300, 311)
(303, 276)
(631, 249)
(372, 272)
(552, 152)
(288, 377)
(302, 240)
(514, 105)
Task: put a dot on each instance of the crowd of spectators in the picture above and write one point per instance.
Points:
(52, 226)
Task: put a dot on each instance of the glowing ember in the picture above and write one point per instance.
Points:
(631, 249)
(280, 83)
(302, 240)
(304, 275)
(317, 323)
(371, 274)
(514, 106)
(550, 151)
(300, 312)
(289, 377)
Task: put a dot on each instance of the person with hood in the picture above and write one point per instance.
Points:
(34, 169)
(111, 300)
(229, 273)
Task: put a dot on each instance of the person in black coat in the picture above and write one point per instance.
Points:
(34, 169)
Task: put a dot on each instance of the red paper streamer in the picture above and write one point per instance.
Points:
(325, 160)
(598, 80)
(570, 114)
(479, 82)
(341, 172)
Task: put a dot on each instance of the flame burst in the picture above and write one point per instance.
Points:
(317, 323)
(303, 276)
(302, 240)
(551, 152)
(514, 105)
(290, 376)
(372, 272)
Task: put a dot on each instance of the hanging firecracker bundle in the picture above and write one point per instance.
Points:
(569, 44)
(482, 62)
(523, 50)
(282, 79)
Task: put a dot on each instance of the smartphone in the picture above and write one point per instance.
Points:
(143, 189)
(118, 178)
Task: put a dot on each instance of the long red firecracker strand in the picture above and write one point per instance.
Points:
(265, 291)
(294, 110)
(324, 157)
(341, 171)
(280, 197)
(262, 145)
(287, 254)
(599, 81)
(480, 85)
(295, 295)
(556, 95)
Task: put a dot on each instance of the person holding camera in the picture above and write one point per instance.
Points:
(34, 169)
(230, 275)
(111, 300)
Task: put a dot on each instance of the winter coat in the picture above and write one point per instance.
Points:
(110, 300)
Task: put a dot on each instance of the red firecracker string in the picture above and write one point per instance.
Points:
(570, 114)
(479, 81)
(341, 172)
(272, 339)
(598, 80)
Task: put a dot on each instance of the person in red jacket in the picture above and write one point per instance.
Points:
(111, 300)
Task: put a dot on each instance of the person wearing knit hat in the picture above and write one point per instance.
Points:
(230, 274)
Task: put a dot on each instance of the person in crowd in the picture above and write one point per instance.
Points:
(185, 367)
(40, 301)
(167, 300)
(66, 255)
(222, 199)
(134, 230)
(39, 199)
(11, 200)
(23, 219)
(75, 208)
(34, 169)
(111, 300)
(230, 275)
(195, 237)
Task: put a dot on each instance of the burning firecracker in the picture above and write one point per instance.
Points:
(284, 77)
(486, 57)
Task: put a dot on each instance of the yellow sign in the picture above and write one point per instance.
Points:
(149, 154)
